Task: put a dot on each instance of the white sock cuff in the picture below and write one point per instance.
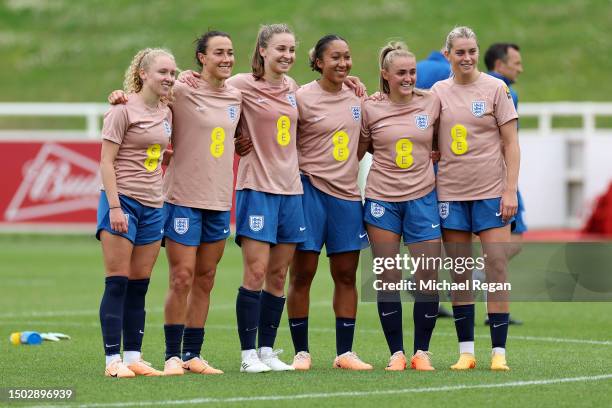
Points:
(466, 347)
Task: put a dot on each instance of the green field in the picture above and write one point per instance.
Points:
(560, 357)
(66, 50)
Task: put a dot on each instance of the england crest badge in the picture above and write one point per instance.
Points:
(479, 108)
(232, 112)
(181, 225)
(291, 99)
(167, 127)
(377, 210)
(256, 222)
(356, 112)
(421, 121)
(443, 209)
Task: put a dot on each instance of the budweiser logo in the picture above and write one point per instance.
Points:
(58, 180)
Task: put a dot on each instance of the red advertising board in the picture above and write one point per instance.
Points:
(50, 184)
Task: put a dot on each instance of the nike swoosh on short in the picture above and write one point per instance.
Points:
(435, 225)
(140, 331)
(363, 235)
(302, 228)
(387, 314)
(497, 214)
(225, 231)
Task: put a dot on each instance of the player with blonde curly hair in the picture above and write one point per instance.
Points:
(130, 220)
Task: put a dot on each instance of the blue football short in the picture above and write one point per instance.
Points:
(472, 216)
(192, 226)
(267, 217)
(331, 221)
(145, 224)
(416, 220)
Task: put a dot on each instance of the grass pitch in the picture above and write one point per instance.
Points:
(560, 357)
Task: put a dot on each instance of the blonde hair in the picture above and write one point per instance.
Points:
(132, 83)
(263, 38)
(459, 32)
(387, 55)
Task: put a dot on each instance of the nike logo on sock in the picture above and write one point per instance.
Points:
(254, 328)
(387, 314)
(111, 345)
(460, 318)
(297, 324)
(495, 326)
(430, 317)
(348, 324)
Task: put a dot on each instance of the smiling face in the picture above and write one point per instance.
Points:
(401, 76)
(218, 60)
(463, 56)
(279, 55)
(336, 62)
(160, 75)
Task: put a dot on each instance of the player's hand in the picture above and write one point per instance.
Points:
(377, 96)
(189, 77)
(435, 156)
(117, 97)
(118, 221)
(508, 205)
(356, 85)
(243, 145)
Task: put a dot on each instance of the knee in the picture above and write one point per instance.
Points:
(496, 267)
(255, 274)
(181, 279)
(300, 281)
(345, 278)
(276, 278)
(205, 280)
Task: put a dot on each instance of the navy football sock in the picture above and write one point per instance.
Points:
(464, 322)
(111, 313)
(193, 338)
(345, 332)
(498, 323)
(424, 315)
(174, 336)
(271, 310)
(299, 333)
(134, 314)
(390, 314)
(247, 316)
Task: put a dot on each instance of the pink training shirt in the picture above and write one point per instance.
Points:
(328, 138)
(402, 136)
(200, 173)
(143, 134)
(269, 118)
(472, 166)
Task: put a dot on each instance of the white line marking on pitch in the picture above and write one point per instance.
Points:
(321, 395)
